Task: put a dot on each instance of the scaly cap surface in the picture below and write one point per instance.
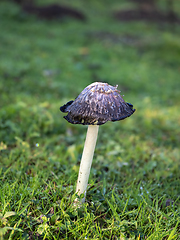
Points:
(96, 104)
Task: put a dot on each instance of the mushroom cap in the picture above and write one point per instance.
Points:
(96, 104)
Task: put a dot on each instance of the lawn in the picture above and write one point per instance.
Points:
(134, 184)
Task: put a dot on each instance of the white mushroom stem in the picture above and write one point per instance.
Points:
(86, 160)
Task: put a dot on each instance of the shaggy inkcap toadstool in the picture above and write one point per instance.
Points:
(95, 105)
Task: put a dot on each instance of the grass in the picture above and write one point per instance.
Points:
(133, 190)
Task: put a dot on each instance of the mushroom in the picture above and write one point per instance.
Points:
(95, 105)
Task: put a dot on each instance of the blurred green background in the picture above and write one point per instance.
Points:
(45, 63)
